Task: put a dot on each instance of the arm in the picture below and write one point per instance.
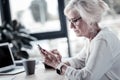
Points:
(99, 62)
(78, 61)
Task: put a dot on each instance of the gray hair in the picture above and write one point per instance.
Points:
(91, 11)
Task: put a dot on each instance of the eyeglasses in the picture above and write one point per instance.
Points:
(74, 20)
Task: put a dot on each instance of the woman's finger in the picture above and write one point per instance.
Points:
(53, 57)
(42, 51)
(56, 52)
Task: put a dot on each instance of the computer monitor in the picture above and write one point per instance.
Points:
(6, 58)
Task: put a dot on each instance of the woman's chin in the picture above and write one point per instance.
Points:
(78, 35)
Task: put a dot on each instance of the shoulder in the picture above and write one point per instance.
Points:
(105, 34)
(109, 37)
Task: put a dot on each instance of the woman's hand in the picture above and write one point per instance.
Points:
(52, 58)
(57, 54)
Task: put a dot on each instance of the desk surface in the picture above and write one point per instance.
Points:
(40, 74)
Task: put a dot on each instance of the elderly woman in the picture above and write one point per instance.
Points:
(100, 60)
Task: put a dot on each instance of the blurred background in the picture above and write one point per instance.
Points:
(42, 22)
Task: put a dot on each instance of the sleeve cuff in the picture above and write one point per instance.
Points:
(68, 71)
(72, 63)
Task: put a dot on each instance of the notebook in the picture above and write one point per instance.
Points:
(7, 63)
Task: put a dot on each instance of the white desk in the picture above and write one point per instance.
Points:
(40, 74)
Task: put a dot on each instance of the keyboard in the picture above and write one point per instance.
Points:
(16, 70)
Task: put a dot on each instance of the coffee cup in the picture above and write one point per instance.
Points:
(29, 66)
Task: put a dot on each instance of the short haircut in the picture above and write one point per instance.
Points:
(91, 11)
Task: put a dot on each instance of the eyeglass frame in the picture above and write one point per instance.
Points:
(74, 20)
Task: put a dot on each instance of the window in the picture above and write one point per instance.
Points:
(0, 15)
(45, 20)
(41, 17)
(0, 19)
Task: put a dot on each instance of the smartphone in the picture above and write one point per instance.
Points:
(40, 47)
(43, 51)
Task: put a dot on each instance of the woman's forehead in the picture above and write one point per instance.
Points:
(73, 14)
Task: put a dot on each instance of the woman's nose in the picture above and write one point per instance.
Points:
(72, 25)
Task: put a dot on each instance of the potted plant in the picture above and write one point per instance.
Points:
(18, 36)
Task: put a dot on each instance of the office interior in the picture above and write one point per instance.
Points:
(43, 22)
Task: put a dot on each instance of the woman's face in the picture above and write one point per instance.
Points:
(79, 26)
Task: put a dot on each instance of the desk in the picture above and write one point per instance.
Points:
(40, 74)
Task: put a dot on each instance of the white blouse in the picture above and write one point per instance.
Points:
(100, 60)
